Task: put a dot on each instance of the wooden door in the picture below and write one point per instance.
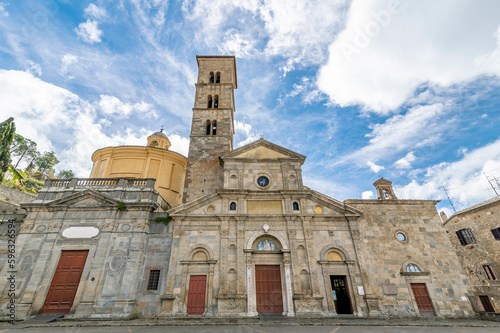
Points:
(422, 298)
(196, 296)
(488, 307)
(65, 282)
(341, 295)
(268, 289)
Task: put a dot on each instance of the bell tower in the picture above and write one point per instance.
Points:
(212, 128)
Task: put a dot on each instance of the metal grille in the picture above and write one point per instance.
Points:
(154, 278)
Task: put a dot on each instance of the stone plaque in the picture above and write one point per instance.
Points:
(390, 288)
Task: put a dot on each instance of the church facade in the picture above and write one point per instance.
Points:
(248, 239)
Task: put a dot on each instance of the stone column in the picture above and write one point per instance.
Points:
(288, 284)
(251, 297)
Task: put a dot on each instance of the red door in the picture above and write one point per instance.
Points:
(422, 298)
(65, 282)
(268, 289)
(196, 297)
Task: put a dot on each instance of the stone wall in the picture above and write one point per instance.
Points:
(485, 250)
(13, 196)
(383, 258)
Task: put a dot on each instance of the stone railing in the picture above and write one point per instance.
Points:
(99, 182)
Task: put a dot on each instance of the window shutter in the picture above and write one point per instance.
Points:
(496, 233)
(469, 233)
(461, 238)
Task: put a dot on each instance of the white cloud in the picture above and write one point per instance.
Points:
(180, 144)
(384, 54)
(34, 68)
(464, 179)
(297, 30)
(367, 195)
(306, 88)
(245, 130)
(238, 44)
(3, 11)
(68, 60)
(89, 31)
(374, 167)
(96, 12)
(417, 128)
(59, 120)
(112, 106)
(405, 162)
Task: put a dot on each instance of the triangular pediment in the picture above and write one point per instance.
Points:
(331, 206)
(200, 206)
(263, 150)
(87, 198)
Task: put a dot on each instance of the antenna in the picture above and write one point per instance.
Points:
(451, 203)
(489, 181)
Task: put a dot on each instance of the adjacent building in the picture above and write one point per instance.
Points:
(475, 234)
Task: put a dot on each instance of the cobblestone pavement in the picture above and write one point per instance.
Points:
(253, 329)
(255, 325)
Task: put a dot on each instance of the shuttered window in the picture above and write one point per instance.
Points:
(465, 236)
(490, 272)
(496, 233)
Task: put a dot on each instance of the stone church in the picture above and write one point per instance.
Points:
(226, 232)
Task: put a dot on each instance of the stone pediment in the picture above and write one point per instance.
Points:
(330, 206)
(87, 198)
(206, 205)
(263, 150)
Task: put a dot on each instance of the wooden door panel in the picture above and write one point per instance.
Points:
(196, 296)
(268, 289)
(65, 282)
(488, 307)
(422, 298)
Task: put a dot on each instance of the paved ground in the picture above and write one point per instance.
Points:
(256, 325)
(254, 329)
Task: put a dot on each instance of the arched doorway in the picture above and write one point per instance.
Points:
(269, 288)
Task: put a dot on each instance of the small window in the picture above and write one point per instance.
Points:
(208, 127)
(217, 80)
(153, 144)
(154, 278)
(214, 127)
(490, 272)
(465, 236)
(232, 206)
(295, 206)
(211, 77)
(496, 233)
(209, 102)
(216, 101)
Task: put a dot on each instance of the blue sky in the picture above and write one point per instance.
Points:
(404, 90)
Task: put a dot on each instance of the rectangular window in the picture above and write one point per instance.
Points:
(465, 236)
(154, 278)
(490, 272)
(496, 233)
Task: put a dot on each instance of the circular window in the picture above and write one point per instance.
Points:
(263, 181)
(401, 237)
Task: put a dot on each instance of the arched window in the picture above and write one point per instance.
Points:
(214, 127)
(211, 79)
(209, 101)
(217, 80)
(153, 144)
(216, 101)
(208, 127)
(232, 206)
(295, 206)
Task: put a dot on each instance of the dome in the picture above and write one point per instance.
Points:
(160, 133)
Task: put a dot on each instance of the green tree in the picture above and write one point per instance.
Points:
(7, 130)
(66, 174)
(23, 148)
(45, 164)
